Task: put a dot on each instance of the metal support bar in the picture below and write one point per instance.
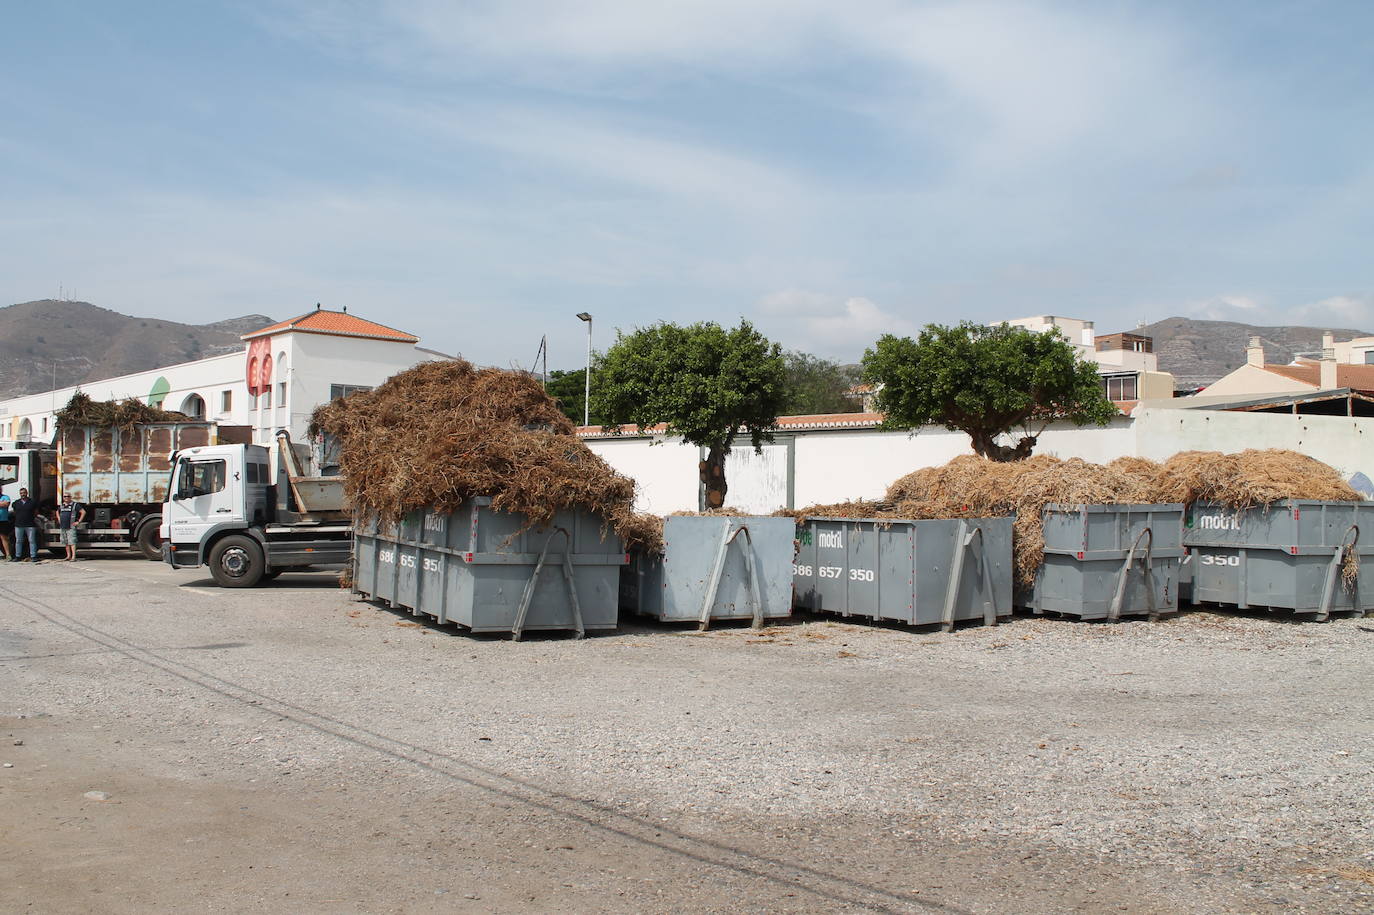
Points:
(1352, 537)
(522, 611)
(718, 570)
(963, 540)
(1114, 611)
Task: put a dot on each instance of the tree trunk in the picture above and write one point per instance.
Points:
(713, 476)
(986, 445)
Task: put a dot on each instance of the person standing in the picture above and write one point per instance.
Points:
(68, 515)
(6, 527)
(25, 511)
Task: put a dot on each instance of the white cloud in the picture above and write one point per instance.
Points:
(793, 303)
(1355, 312)
(828, 325)
(593, 146)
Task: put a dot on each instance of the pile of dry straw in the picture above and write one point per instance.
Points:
(82, 410)
(443, 432)
(972, 486)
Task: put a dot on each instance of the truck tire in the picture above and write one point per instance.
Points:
(236, 562)
(147, 540)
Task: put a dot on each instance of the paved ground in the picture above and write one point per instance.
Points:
(293, 749)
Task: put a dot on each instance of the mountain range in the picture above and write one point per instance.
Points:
(51, 342)
(1198, 352)
(54, 343)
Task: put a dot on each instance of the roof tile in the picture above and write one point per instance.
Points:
(335, 323)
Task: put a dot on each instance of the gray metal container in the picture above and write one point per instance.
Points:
(916, 572)
(471, 567)
(1281, 556)
(1108, 561)
(714, 567)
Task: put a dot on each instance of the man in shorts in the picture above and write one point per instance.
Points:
(68, 515)
(6, 526)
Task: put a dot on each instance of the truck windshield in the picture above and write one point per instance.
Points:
(199, 478)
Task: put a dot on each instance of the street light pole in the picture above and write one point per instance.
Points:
(587, 394)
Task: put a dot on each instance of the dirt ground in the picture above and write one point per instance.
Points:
(172, 746)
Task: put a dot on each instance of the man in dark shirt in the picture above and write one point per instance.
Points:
(25, 511)
(68, 515)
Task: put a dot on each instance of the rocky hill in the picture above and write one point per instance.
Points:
(1200, 352)
(81, 342)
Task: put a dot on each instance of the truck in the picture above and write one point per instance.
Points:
(224, 511)
(119, 474)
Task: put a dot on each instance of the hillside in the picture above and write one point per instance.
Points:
(86, 343)
(1200, 352)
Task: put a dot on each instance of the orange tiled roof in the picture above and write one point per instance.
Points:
(1356, 377)
(335, 323)
(815, 421)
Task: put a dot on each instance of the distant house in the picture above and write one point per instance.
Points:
(1355, 372)
(1126, 362)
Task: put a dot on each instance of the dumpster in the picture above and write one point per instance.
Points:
(714, 567)
(1285, 556)
(1108, 561)
(915, 572)
(476, 568)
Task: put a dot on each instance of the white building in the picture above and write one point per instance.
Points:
(1127, 362)
(285, 372)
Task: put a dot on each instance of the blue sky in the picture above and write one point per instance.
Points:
(478, 172)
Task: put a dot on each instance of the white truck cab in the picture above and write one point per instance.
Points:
(224, 511)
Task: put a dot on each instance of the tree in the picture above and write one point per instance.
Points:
(569, 389)
(987, 382)
(816, 385)
(707, 383)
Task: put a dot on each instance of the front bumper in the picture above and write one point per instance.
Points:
(181, 555)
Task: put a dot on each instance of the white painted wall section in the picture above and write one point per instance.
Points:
(665, 471)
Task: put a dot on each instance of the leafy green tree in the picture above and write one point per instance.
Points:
(706, 382)
(985, 381)
(569, 389)
(816, 385)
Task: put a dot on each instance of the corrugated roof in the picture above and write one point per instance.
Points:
(335, 323)
(1355, 377)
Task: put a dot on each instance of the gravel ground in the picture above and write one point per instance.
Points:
(1205, 763)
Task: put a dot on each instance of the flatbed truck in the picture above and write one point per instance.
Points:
(224, 512)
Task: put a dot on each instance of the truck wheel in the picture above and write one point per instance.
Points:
(236, 562)
(147, 541)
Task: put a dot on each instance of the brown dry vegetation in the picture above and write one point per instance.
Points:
(82, 410)
(972, 486)
(443, 432)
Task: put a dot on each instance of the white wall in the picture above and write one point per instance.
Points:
(861, 464)
(665, 470)
(1341, 441)
(828, 466)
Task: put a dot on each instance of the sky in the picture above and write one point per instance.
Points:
(479, 172)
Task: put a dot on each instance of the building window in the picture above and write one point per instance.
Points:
(343, 390)
(45, 425)
(266, 402)
(281, 393)
(1120, 387)
(226, 401)
(193, 406)
(1369, 357)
